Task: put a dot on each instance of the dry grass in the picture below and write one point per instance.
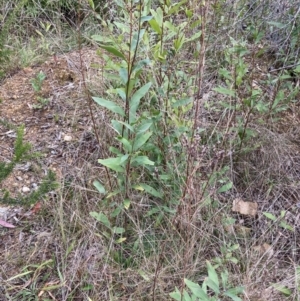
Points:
(63, 253)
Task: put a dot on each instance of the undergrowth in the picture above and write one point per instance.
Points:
(194, 164)
(22, 152)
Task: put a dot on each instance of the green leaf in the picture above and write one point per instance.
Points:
(101, 217)
(115, 151)
(142, 161)
(113, 51)
(158, 16)
(286, 226)
(121, 93)
(194, 36)
(270, 216)
(99, 186)
(118, 230)
(118, 125)
(175, 7)
(155, 26)
(234, 260)
(282, 213)
(149, 189)
(146, 18)
(140, 140)
(224, 277)
(176, 295)
(109, 105)
(144, 127)
(136, 97)
(139, 65)
(210, 283)
(212, 274)
(224, 91)
(277, 24)
(120, 240)
(178, 43)
(123, 72)
(196, 290)
(182, 102)
(297, 69)
(283, 289)
(225, 187)
(233, 292)
(126, 204)
(279, 97)
(186, 296)
(116, 212)
(232, 296)
(135, 37)
(112, 163)
(124, 158)
(92, 5)
(126, 144)
(102, 39)
(171, 27)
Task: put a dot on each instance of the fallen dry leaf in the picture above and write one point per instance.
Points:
(243, 231)
(245, 208)
(36, 208)
(6, 225)
(264, 248)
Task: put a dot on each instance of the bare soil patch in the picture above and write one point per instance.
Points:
(61, 131)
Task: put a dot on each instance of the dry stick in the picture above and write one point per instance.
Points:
(130, 70)
(199, 91)
(189, 169)
(86, 90)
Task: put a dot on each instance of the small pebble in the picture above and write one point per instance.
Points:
(67, 138)
(25, 189)
(34, 186)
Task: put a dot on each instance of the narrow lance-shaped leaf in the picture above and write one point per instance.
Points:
(102, 39)
(212, 274)
(150, 190)
(224, 91)
(123, 72)
(140, 140)
(135, 40)
(225, 187)
(92, 5)
(112, 163)
(109, 105)
(142, 161)
(113, 51)
(126, 144)
(155, 26)
(101, 217)
(158, 15)
(140, 64)
(99, 186)
(135, 100)
(176, 295)
(144, 127)
(196, 290)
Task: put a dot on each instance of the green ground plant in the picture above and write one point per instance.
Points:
(212, 282)
(149, 118)
(185, 123)
(22, 152)
(37, 84)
